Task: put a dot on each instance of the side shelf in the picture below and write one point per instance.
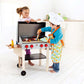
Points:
(35, 56)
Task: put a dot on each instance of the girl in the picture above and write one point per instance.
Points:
(24, 12)
(55, 40)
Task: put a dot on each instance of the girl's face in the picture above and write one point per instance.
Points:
(53, 26)
(25, 13)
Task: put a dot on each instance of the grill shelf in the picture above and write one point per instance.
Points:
(35, 56)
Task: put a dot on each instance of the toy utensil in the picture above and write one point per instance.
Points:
(37, 37)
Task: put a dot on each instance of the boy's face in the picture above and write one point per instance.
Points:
(25, 13)
(53, 26)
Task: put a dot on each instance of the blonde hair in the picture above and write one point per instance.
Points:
(19, 10)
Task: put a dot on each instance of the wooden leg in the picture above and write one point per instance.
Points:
(47, 60)
(40, 59)
(19, 61)
(39, 62)
(23, 72)
(23, 59)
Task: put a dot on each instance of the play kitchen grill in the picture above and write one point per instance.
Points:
(28, 43)
(28, 39)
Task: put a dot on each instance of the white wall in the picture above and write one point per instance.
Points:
(73, 9)
(74, 35)
(39, 8)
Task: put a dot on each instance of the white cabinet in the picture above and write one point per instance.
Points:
(74, 34)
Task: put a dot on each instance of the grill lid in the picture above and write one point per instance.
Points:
(30, 29)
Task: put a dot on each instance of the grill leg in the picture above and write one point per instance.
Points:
(47, 59)
(40, 59)
(19, 61)
(23, 59)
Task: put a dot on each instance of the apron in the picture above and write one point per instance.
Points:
(56, 51)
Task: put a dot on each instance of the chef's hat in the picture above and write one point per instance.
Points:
(55, 18)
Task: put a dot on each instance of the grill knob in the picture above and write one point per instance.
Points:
(26, 46)
(31, 46)
(41, 45)
(46, 45)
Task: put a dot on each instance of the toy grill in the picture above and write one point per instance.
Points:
(27, 38)
(27, 35)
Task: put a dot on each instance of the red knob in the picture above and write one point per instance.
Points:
(26, 46)
(46, 45)
(41, 45)
(31, 46)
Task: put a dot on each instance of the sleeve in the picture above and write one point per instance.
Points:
(44, 29)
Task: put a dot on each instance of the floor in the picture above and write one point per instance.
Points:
(71, 69)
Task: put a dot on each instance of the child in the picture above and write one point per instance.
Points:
(24, 12)
(55, 40)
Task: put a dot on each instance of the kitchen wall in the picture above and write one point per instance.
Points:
(73, 34)
(73, 9)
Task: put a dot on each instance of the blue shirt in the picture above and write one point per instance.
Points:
(57, 35)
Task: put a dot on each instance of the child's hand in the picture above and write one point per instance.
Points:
(27, 21)
(39, 31)
(38, 19)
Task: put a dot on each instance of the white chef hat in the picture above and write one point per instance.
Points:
(55, 18)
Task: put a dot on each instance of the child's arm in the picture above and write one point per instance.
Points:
(32, 20)
(44, 29)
